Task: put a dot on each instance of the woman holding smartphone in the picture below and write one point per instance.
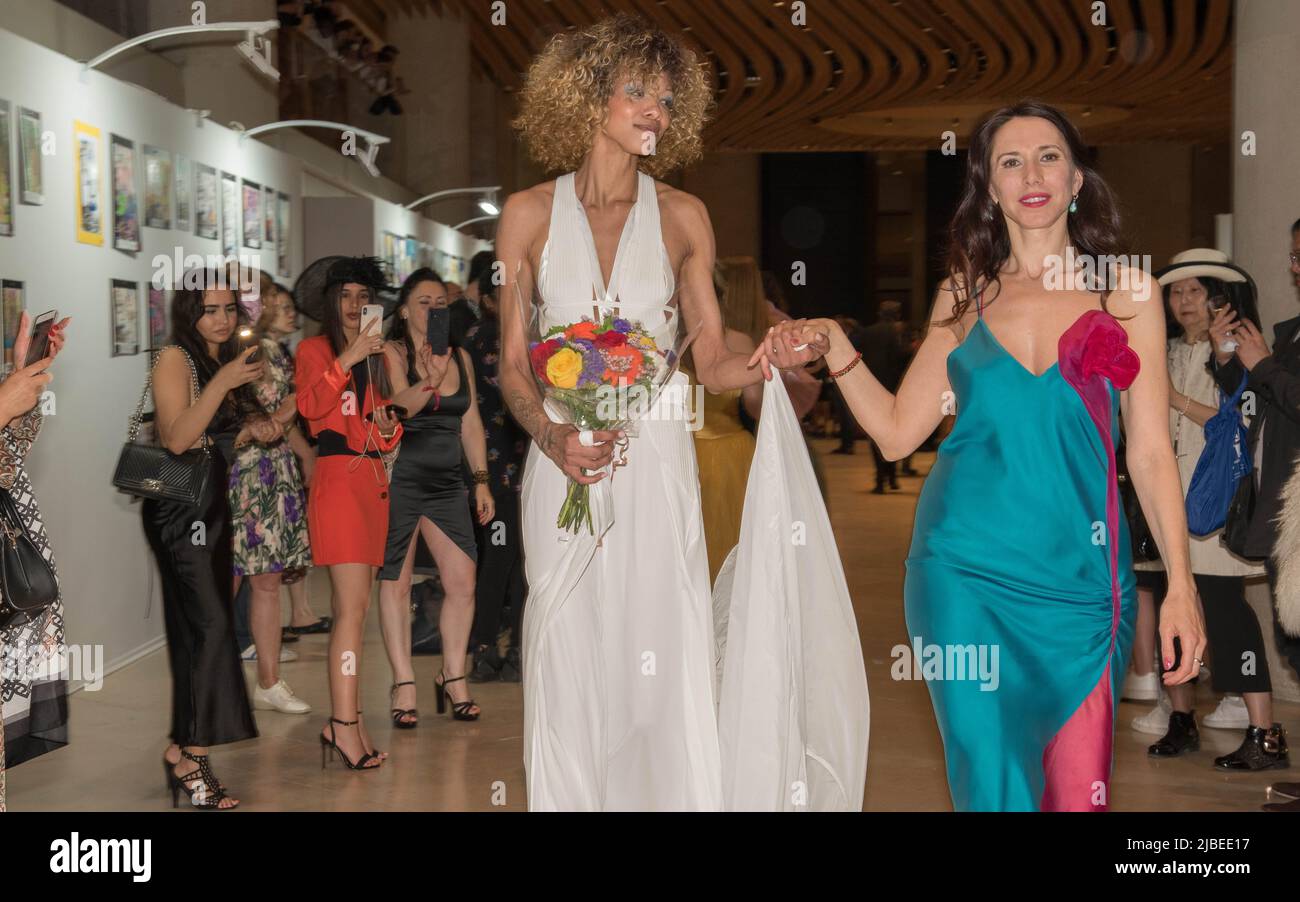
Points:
(199, 401)
(343, 392)
(267, 502)
(34, 700)
(429, 494)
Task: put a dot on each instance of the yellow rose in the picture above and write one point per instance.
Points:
(564, 368)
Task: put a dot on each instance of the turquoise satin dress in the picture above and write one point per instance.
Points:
(1020, 611)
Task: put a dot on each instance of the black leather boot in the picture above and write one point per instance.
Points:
(1260, 750)
(1181, 737)
(487, 665)
(512, 667)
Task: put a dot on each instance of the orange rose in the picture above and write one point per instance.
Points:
(583, 329)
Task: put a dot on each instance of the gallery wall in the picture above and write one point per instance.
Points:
(108, 578)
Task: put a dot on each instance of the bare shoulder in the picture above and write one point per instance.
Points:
(531, 204)
(1132, 292)
(681, 206)
(172, 360)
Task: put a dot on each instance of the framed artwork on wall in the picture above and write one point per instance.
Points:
(90, 212)
(125, 307)
(126, 211)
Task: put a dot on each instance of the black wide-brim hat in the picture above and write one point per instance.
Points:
(316, 280)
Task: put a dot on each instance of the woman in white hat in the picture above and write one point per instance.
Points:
(1196, 283)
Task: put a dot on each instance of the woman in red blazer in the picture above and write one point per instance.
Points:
(343, 394)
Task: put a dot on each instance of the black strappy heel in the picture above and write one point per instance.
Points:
(206, 793)
(459, 710)
(399, 713)
(332, 743)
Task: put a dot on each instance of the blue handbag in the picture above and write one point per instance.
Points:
(1223, 463)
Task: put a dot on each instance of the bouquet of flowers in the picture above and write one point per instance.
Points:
(601, 374)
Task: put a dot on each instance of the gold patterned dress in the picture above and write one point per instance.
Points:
(724, 450)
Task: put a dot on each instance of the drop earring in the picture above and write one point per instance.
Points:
(1074, 204)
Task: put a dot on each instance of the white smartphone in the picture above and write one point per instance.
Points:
(40, 347)
(372, 313)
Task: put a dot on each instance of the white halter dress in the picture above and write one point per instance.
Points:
(624, 683)
(618, 639)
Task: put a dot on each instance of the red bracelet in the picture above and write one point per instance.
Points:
(852, 363)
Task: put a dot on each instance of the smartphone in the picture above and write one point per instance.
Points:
(1215, 304)
(39, 349)
(372, 313)
(394, 410)
(245, 341)
(439, 329)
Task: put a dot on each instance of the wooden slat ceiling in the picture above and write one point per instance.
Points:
(880, 74)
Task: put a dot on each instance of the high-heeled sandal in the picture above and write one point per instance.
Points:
(399, 713)
(378, 753)
(206, 793)
(332, 743)
(459, 710)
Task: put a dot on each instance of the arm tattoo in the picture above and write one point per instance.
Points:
(530, 415)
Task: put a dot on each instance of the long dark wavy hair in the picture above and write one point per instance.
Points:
(186, 311)
(332, 326)
(400, 329)
(978, 243)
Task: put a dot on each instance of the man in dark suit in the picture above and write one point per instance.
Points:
(883, 353)
(1274, 436)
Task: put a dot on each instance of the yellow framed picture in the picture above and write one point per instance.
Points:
(90, 189)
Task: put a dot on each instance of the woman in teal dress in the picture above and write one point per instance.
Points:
(1020, 594)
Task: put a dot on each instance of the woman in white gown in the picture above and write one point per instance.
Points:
(620, 701)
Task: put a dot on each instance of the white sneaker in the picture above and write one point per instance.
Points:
(280, 698)
(1230, 715)
(1141, 687)
(1155, 721)
(286, 654)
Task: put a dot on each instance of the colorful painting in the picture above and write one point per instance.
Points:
(205, 201)
(269, 234)
(11, 309)
(282, 215)
(157, 318)
(252, 214)
(6, 181)
(126, 211)
(157, 188)
(90, 213)
(32, 182)
(126, 318)
(229, 215)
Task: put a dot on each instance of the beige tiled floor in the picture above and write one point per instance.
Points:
(118, 733)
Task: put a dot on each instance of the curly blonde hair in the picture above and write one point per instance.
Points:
(567, 90)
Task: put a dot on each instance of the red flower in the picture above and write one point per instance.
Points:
(610, 339)
(1098, 345)
(541, 353)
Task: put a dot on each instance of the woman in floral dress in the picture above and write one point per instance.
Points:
(267, 502)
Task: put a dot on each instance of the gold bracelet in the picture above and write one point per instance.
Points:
(480, 477)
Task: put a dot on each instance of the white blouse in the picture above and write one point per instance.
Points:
(1188, 373)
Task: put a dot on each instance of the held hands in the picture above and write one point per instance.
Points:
(366, 343)
(1251, 345)
(1181, 618)
(238, 372)
(265, 430)
(562, 444)
(794, 343)
(22, 390)
(484, 506)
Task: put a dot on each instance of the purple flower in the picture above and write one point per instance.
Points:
(253, 539)
(277, 567)
(622, 325)
(265, 472)
(292, 512)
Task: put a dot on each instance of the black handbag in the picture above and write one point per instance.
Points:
(151, 471)
(1140, 538)
(27, 583)
(1240, 512)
